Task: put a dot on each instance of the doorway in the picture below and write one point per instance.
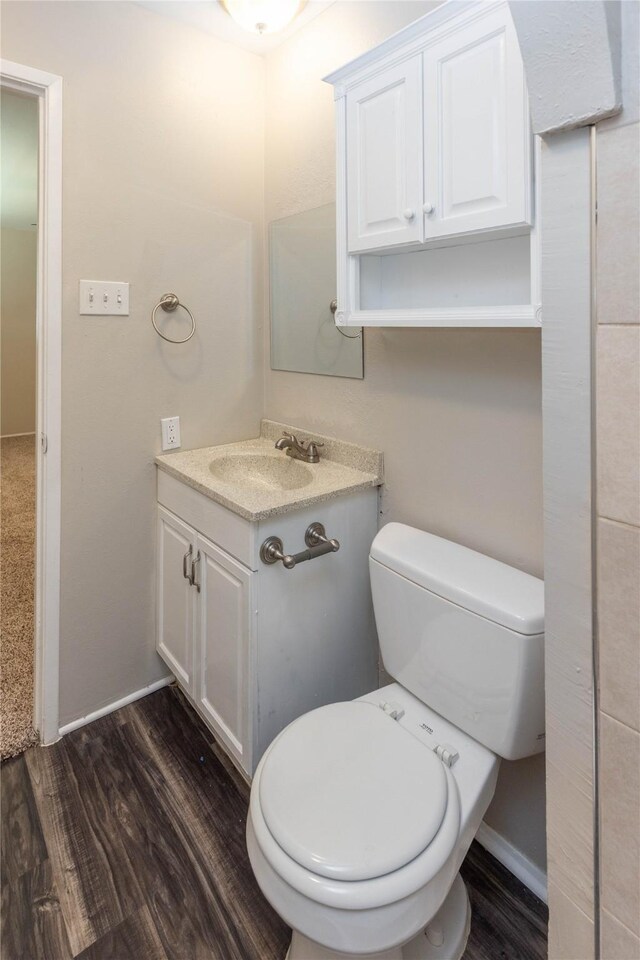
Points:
(19, 135)
(31, 160)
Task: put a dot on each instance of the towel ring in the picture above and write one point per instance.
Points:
(333, 306)
(170, 302)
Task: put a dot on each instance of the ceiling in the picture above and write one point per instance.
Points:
(18, 160)
(209, 15)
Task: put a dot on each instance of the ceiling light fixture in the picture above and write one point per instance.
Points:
(263, 16)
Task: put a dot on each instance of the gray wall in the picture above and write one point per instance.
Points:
(163, 187)
(456, 412)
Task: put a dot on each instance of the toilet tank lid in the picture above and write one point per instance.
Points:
(471, 580)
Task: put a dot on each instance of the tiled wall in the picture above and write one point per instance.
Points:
(618, 536)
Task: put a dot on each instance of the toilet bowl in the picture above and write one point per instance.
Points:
(361, 813)
(357, 828)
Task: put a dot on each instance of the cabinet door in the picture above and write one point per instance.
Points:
(384, 159)
(174, 640)
(224, 628)
(477, 137)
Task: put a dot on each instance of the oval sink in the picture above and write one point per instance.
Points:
(259, 470)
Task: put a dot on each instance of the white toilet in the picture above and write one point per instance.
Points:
(362, 812)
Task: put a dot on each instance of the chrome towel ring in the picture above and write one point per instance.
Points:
(333, 306)
(169, 302)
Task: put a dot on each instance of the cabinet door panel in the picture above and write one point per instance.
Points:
(384, 159)
(225, 616)
(174, 640)
(477, 139)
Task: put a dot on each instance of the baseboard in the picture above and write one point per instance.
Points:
(516, 863)
(10, 436)
(110, 707)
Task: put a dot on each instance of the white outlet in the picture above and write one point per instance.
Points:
(170, 432)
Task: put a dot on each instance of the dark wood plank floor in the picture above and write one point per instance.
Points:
(125, 841)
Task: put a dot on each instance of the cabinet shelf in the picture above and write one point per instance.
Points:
(518, 315)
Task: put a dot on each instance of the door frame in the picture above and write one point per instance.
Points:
(47, 87)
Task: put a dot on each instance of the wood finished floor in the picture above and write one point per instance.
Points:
(125, 841)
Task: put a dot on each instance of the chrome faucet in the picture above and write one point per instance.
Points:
(306, 450)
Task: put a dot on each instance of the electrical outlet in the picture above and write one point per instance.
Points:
(170, 432)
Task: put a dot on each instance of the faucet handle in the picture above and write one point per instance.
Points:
(311, 451)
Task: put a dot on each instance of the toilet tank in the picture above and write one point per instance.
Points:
(465, 634)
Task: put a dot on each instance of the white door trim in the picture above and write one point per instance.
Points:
(48, 88)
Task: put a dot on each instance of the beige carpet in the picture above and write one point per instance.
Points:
(17, 564)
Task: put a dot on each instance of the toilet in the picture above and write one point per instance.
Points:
(362, 812)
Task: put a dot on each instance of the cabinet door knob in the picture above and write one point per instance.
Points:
(428, 208)
(408, 214)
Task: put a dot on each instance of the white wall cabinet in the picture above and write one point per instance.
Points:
(255, 646)
(476, 130)
(384, 158)
(435, 154)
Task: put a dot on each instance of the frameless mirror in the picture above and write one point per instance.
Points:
(302, 261)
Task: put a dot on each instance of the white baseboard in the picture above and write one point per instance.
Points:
(103, 711)
(10, 436)
(516, 863)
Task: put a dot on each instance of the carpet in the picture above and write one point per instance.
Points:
(17, 580)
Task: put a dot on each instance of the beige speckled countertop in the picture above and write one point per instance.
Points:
(256, 481)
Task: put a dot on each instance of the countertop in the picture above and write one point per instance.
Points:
(343, 468)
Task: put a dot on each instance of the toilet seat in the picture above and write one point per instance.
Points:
(347, 794)
(375, 891)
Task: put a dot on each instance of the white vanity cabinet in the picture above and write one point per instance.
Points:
(254, 646)
(176, 551)
(434, 155)
(204, 613)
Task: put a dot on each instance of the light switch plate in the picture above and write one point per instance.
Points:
(104, 298)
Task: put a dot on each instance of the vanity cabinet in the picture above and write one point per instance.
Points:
(204, 625)
(176, 546)
(225, 627)
(435, 155)
(255, 646)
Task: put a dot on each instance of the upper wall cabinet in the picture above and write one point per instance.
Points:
(476, 130)
(435, 212)
(384, 158)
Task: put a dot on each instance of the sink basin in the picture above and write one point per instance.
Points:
(252, 470)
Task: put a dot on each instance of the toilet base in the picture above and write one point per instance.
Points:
(444, 937)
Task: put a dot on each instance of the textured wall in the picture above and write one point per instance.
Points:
(18, 253)
(163, 187)
(571, 53)
(456, 412)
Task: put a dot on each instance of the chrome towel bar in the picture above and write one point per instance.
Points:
(318, 544)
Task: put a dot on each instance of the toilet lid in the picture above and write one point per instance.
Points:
(349, 794)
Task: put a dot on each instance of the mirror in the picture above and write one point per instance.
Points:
(302, 274)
